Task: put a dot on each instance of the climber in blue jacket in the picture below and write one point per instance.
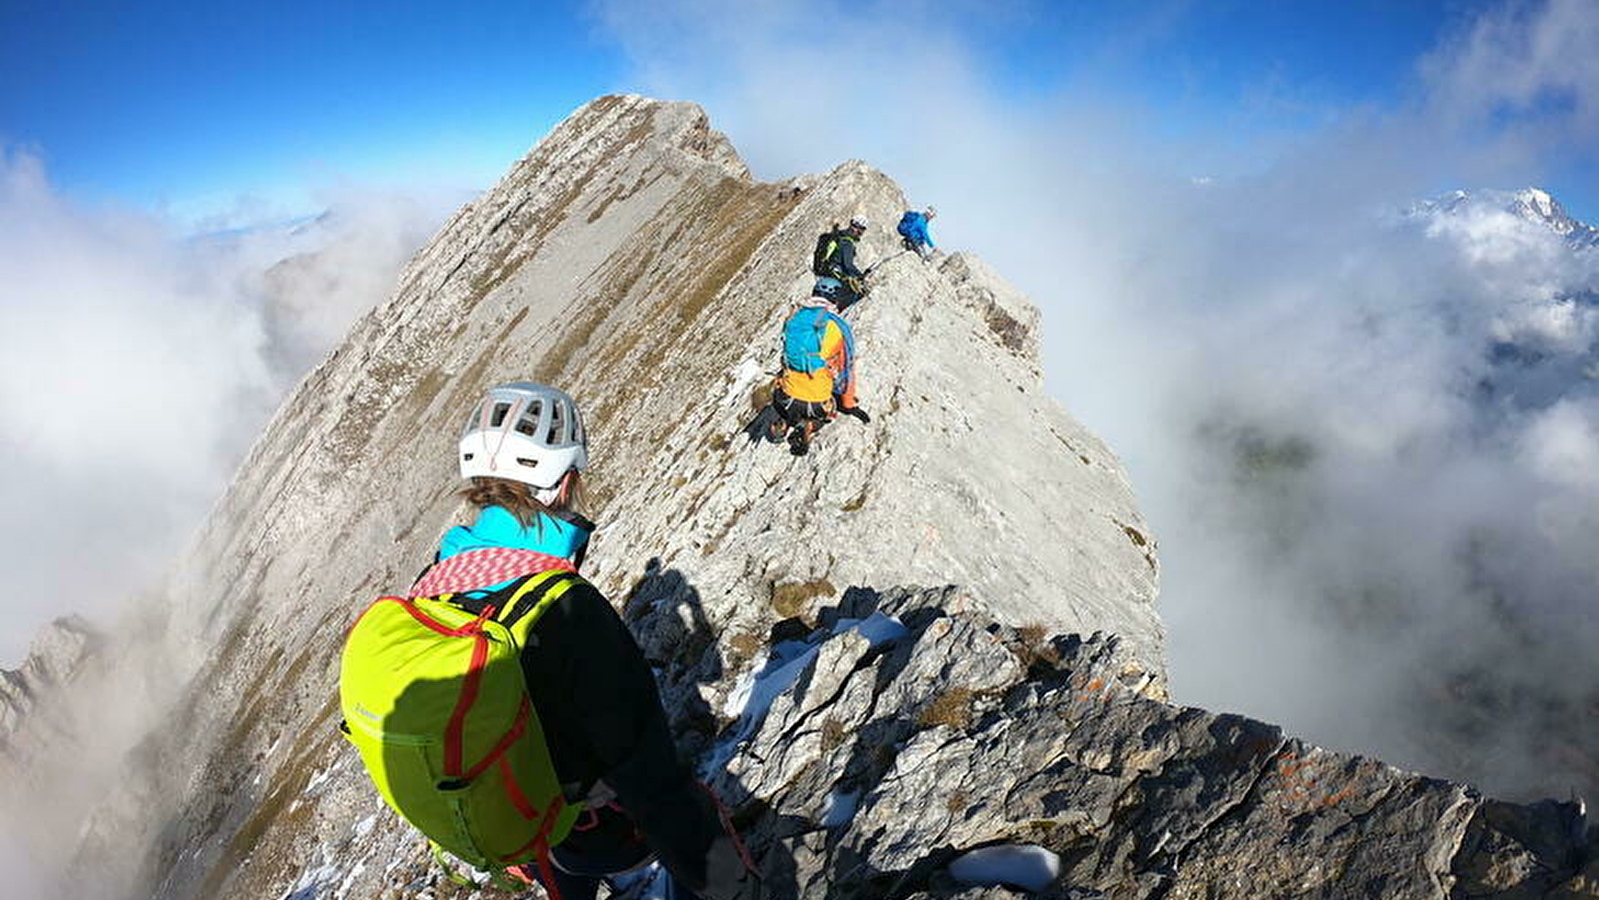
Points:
(913, 232)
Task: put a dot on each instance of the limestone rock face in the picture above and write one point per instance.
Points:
(866, 737)
(890, 750)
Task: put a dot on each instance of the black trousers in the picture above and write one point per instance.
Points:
(607, 844)
(797, 412)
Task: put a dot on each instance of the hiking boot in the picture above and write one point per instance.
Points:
(799, 442)
(775, 429)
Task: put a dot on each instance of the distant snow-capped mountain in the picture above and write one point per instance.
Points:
(1542, 331)
(1531, 204)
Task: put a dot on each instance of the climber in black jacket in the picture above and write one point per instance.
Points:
(607, 734)
(590, 685)
(839, 279)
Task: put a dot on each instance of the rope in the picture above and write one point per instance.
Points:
(727, 826)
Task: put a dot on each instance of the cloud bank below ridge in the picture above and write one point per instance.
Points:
(1368, 508)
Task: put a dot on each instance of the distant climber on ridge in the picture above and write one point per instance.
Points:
(513, 678)
(913, 232)
(818, 379)
(837, 276)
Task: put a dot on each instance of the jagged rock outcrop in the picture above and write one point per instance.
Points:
(47, 742)
(937, 732)
(631, 259)
(27, 714)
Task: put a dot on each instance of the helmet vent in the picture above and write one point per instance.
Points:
(530, 463)
(468, 456)
(528, 423)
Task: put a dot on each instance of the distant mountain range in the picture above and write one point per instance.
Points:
(1529, 204)
(1544, 337)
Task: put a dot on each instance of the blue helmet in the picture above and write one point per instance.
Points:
(830, 289)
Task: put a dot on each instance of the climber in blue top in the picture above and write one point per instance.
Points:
(913, 232)
(556, 531)
(599, 707)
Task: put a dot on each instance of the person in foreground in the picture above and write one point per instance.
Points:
(505, 710)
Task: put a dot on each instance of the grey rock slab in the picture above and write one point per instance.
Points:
(1144, 799)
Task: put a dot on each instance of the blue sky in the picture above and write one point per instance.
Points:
(187, 107)
(177, 104)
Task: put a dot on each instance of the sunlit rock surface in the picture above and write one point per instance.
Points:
(865, 733)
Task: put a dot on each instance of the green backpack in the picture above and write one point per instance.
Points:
(434, 699)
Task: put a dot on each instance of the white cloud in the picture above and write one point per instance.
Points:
(1355, 498)
(1530, 60)
(137, 363)
(1561, 445)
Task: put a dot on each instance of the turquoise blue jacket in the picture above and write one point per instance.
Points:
(913, 227)
(497, 527)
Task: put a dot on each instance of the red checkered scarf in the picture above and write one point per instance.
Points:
(476, 569)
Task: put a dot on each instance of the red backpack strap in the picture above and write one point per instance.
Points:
(547, 871)
(540, 845)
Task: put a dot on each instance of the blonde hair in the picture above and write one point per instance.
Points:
(519, 500)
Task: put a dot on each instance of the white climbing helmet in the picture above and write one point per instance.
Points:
(524, 432)
(858, 222)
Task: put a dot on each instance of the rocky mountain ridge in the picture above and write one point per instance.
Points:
(868, 733)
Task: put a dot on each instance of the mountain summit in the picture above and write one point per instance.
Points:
(922, 659)
(1532, 204)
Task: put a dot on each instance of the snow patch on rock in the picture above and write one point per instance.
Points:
(1018, 865)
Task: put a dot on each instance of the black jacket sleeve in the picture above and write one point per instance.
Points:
(846, 259)
(601, 711)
